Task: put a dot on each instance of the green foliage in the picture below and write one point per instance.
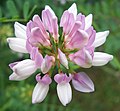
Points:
(12, 8)
(17, 95)
(14, 11)
(26, 9)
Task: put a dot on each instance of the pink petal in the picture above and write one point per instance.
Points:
(64, 18)
(91, 49)
(47, 19)
(67, 21)
(73, 31)
(79, 40)
(81, 18)
(55, 28)
(11, 65)
(28, 45)
(37, 36)
(81, 82)
(45, 79)
(82, 58)
(30, 25)
(69, 24)
(38, 21)
(50, 10)
(47, 63)
(62, 78)
(36, 56)
(63, 59)
(92, 33)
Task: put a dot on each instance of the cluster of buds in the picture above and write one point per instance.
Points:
(57, 53)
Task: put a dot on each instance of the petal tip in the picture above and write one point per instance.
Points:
(107, 32)
(111, 57)
(8, 40)
(33, 101)
(10, 78)
(36, 15)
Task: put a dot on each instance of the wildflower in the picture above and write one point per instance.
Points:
(50, 50)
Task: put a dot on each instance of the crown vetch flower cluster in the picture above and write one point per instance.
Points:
(50, 50)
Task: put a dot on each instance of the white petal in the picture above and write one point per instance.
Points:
(100, 38)
(25, 68)
(64, 93)
(16, 77)
(73, 9)
(63, 59)
(44, 66)
(52, 12)
(88, 63)
(17, 44)
(39, 93)
(100, 58)
(20, 30)
(88, 21)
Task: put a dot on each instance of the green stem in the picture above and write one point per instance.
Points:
(31, 12)
(13, 20)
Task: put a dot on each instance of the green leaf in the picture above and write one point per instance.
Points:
(26, 8)
(105, 7)
(0, 12)
(53, 106)
(12, 8)
(31, 12)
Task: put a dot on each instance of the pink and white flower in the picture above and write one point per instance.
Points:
(63, 88)
(40, 38)
(41, 89)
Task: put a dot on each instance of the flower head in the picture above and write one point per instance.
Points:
(51, 50)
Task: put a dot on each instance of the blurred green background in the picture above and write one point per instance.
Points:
(16, 96)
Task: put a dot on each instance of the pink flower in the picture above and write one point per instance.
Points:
(49, 52)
